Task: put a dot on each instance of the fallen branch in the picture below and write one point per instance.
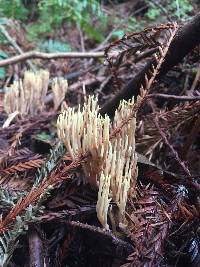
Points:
(36, 54)
(176, 97)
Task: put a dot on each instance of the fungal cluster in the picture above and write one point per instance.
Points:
(112, 165)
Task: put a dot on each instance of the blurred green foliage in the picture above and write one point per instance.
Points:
(157, 12)
(13, 9)
(176, 9)
(45, 16)
(52, 46)
(182, 8)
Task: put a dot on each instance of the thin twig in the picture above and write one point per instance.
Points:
(177, 97)
(197, 78)
(174, 152)
(41, 55)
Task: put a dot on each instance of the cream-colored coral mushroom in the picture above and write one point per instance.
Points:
(127, 134)
(12, 98)
(59, 89)
(28, 96)
(103, 199)
(35, 88)
(84, 131)
(112, 166)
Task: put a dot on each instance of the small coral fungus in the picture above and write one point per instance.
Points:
(112, 166)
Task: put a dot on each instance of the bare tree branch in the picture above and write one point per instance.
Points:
(35, 54)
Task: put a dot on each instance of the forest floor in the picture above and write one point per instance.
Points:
(48, 209)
